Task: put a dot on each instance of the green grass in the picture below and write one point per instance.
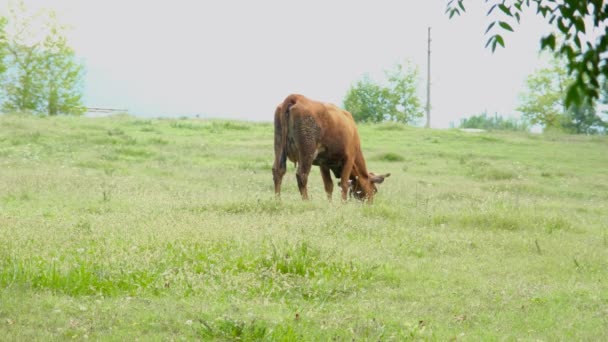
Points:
(122, 228)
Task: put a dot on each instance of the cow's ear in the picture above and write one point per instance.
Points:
(377, 179)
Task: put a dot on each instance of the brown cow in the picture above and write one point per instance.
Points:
(315, 133)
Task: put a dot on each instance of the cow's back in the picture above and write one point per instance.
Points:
(325, 123)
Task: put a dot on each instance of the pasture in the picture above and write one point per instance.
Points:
(124, 228)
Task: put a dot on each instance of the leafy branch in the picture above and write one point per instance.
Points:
(587, 59)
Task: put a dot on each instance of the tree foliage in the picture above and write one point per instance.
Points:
(365, 101)
(604, 97)
(543, 102)
(580, 36)
(584, 119)
(43, 74)
(62, 75)
(396, 100)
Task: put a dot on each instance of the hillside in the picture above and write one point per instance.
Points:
(121, 228)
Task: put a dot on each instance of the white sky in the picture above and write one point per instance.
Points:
(239, 59)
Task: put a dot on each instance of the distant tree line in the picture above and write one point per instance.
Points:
(39, 71)
(494, 122)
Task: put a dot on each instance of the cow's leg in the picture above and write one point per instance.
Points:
(345, 176)
(329, 186)
(302, 174)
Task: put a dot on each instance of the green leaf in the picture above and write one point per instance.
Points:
(577, 41)
(561, 26)
(448, 7)
(500, 40)
(505, 9)
(505, 26)
(579, 24)
(566, 11)
(490, 27)
(518, 6)
(548, 42)
(491, 9)
(568, 51)
(490, 40)
(552, 19)
(572, 95)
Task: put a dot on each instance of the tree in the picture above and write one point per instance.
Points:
(395, 101)
(3, 44)
(43, 74)
(584, 119)
(366, 101)
(587, 58)
(62, 74)
(22, 84)
(543, 102)
(403, 88)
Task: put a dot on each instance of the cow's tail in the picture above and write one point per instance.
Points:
(280, 140)
(285, 108)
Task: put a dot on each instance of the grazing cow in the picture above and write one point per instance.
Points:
(315, 133)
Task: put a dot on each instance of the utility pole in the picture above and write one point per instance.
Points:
(428, 83)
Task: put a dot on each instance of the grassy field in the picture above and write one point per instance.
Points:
(123, 228)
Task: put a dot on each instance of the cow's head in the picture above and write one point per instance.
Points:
(363, 188)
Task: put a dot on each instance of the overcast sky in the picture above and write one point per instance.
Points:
(239, 59)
